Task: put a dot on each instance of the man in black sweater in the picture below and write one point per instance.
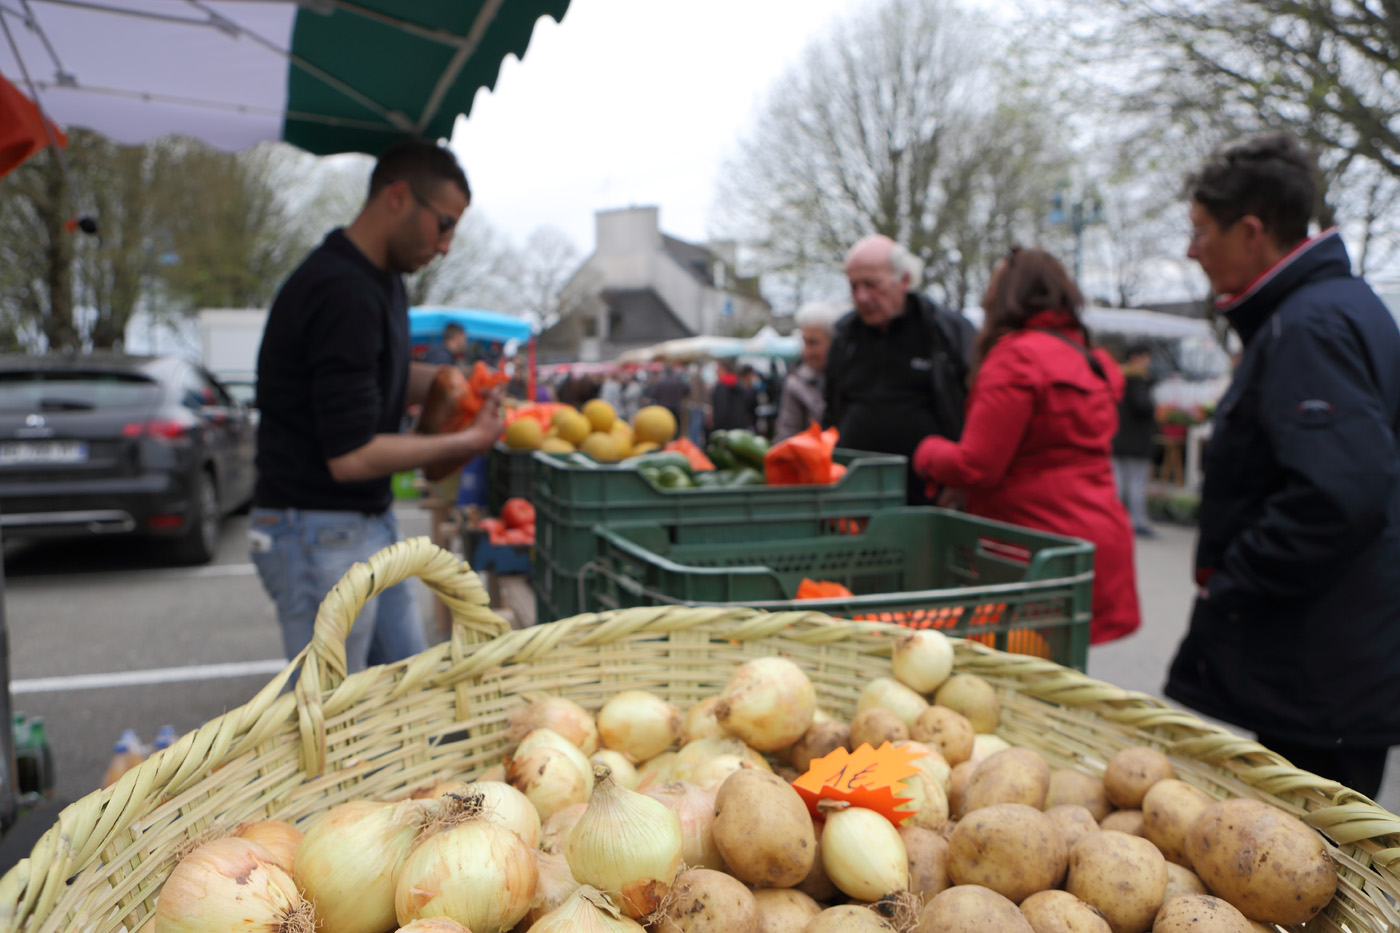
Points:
(334, 380)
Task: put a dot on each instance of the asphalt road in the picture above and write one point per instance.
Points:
(104, 638)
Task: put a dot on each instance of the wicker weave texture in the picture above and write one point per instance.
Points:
(382, 732)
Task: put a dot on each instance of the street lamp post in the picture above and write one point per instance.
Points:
(1077, 210)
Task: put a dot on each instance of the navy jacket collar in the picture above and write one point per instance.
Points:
(1324, 256)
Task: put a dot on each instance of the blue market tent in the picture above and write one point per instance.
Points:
(426, 324)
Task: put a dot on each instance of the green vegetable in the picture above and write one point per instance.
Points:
(719, 453)
(711, 479)
(747, 476)
(748, 448)
(673, 477)
(657, 460)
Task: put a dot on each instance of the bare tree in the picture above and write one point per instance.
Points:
(901, 123)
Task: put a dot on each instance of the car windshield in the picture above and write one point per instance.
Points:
(35, 391)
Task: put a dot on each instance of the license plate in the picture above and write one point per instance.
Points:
(18, 453)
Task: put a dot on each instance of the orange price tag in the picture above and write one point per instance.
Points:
(872, 778)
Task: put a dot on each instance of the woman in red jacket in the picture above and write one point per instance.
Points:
(1040, 423)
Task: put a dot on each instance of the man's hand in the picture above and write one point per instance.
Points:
(490, 421)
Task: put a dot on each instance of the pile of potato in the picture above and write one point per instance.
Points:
(995, 838)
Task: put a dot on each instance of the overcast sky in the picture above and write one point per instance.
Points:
(630, 102)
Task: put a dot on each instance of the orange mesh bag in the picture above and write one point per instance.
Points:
(452, 404)
(804, 459)
(820, 589)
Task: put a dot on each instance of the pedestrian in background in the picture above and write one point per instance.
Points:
(802, 401)
(733, 403)
(1040, 423)
(1132, 445)
(1295, 633)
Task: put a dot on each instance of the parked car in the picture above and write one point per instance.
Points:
(109, 444)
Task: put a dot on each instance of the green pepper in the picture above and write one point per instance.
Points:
(710, 479)
(748, 448)
(673, 477)
(747, 476)
(657, 460)
(719, 453)
(651, 475)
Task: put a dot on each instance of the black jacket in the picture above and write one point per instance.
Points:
(1298, 630)
(950, 356)
(1137, 420)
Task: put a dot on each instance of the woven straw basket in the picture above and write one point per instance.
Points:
(381, 732)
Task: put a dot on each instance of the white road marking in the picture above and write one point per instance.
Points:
(159, 675)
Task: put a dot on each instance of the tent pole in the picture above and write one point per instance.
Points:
(530, 387)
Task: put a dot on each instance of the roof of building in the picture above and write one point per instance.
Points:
(641, 316)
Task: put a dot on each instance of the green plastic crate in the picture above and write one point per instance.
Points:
(510, 474)
(405, 485)
(1011, 587)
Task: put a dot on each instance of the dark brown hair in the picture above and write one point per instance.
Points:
(1270, 177)
(1025, 283)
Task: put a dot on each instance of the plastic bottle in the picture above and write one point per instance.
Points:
(126, 754)
(165, 738)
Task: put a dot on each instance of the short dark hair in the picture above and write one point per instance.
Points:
(1271, 176)
(1024, 284)
(1138, 349)
(421, 163)
(453, 329)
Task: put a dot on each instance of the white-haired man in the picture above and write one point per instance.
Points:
(898, 364)
(802, 402)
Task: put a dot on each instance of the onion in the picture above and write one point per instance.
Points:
(505, 806)
(278, 837)
(658, 770)
(863, 854)
(695, 806)
(626, 843)
(985, 745)
(619, 764)
(559, 715)
(710, 761)
(556, 885)
(350, 856)
(930, 761)
(548, 738)
(820, 740)
(496, 772)
(232, 884)
(587, 911)
(928, 801)
(768, 702)
(549, 779)
(639, 724)
(700, 722)
(435, 925)
(923, 660)
(893, 696)
(702, 900)
(556, 829)
(474, 871)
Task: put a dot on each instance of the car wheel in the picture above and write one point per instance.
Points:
(201, 542)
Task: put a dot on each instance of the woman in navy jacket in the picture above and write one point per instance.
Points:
(1296, 630)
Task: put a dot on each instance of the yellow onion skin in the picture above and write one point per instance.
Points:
(348, 860)
(588, 910)
(627, 844)
(768, 702)
(560, 715)
(476, 873)
(278, 837)
(228, 884)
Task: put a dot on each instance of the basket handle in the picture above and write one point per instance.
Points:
(323, 664)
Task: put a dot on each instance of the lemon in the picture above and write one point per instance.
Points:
(556, 445)
(571, 425)
(623, 432)
(602, 447)
(655, 424)
(599, 414)
(524, 434)
(645, 447)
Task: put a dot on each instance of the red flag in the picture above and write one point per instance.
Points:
(21, 128)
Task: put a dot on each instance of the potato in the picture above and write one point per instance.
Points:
(763, 830)
(1182, 881)
(1270, 866)
(1067, 786)
(1017, 775)
(847, 919)
(1168, 810)
(1124, 821)
(1010, 848)
(970, 908)
(1124, 877)
(946, 730)
(974, 698)
(817, 885)
(1199, 913)
(1062, 912)
(876, 726)
(820, 740)
(1073, 821)
(705, 901)
(784, 910)
(928, 860)
(1131, 772)
(957, 785)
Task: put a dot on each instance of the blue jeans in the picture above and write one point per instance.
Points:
(300, 555)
